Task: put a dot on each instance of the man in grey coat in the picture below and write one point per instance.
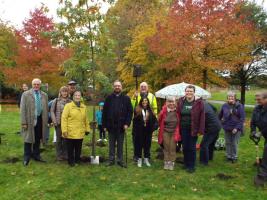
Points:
(34, 117)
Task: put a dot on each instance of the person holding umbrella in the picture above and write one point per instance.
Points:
(232, 116)
(190, 109)
(116, 118)
(144, 123)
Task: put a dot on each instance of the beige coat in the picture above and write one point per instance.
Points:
(27, 113)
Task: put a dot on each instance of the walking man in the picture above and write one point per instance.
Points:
(117, 115)
(34, 114)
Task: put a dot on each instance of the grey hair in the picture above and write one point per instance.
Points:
(231, 94)
(170, 98)
(264, 95)
(36, 80)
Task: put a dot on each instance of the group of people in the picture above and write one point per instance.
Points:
(181, 120)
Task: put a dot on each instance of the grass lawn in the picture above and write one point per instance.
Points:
(56, 180)
(221, 95)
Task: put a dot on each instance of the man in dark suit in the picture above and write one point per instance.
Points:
(117, 116)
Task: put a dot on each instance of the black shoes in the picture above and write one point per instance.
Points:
(259, 181)
(39, 160)
(190, 170)
(110, 163)
(121, 164)
(26, 162)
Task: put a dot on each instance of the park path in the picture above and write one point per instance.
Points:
(222, 102)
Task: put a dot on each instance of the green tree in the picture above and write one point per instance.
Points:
(244, 74)
(80, 30)
(8, 45)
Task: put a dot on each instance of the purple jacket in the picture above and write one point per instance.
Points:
(232, 119)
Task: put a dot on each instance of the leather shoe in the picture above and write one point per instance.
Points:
(258, 181)
(110, 163)
(26, 162)
(121, 164)
(39, 160)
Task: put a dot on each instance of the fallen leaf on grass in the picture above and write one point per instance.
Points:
(13, 173)
(134, 182)
(194, 189)
(173, 186)
(103, 178)
(29, 182)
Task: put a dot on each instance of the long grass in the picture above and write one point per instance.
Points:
(56, 180)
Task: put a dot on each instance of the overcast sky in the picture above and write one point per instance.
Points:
(15, 11)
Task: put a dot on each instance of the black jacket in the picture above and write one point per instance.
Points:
(138, 123)
(212, 122)
(125, 113)
(259, 120)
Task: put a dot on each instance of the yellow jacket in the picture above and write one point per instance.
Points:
(74, 121)
(152, 100)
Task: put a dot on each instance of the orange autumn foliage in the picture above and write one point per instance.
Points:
(36, 56)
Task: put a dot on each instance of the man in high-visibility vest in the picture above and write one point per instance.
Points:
(144, 93)
(136, 99)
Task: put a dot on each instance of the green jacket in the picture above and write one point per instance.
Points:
(152, 100)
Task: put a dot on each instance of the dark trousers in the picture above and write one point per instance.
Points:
(116, 139)
(33, 150)
(207, 146)
(74, 148)
(142, 142)
(189, 148)
(102, 133)
(61, 148)
(133, 141)
(263, 167)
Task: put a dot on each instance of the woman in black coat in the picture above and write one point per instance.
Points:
(144, 123)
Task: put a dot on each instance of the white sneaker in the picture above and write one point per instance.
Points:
(171, 166)
(99, 140)
(139, 162)
(147, 162)
(166, 167)
(105, 140)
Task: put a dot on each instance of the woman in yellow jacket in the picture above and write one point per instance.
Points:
(74, 125)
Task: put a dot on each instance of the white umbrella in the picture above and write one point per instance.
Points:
(178, 90)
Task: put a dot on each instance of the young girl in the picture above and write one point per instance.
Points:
(102, 133)
(143, 127)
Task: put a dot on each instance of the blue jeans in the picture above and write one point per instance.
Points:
(189, 148)
(207, 146)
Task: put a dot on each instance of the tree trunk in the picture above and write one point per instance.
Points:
(243, 93)
(205, 78)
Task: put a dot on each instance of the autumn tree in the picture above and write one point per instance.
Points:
(199, 38)
(244, 74)
(36, 56)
